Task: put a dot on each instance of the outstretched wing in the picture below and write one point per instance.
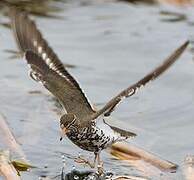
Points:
(71, 98)
(28, 37)
(109, 107)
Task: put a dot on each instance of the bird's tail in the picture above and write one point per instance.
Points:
(121, 132)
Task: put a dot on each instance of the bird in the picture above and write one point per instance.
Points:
(83, 124)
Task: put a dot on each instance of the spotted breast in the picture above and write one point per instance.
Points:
(94, 138)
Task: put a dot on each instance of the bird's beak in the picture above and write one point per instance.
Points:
(63, 133)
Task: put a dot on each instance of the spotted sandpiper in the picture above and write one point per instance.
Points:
(83, 125)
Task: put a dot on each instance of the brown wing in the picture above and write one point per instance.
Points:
(109, 107)
(71, 98)
(28, 37)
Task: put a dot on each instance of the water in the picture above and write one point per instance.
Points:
(112, 45)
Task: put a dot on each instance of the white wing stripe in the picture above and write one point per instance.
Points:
(48, 60)
(44, 55)
(35, 43)
(39, 49)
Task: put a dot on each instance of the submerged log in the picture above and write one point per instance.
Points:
(177, 2)
(130, 152)
(128, 178)
(171, 2)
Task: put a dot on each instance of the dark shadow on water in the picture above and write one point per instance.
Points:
(172, 17)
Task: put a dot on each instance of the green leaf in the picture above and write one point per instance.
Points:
(21, 166)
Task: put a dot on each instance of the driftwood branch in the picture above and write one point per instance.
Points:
(188, 167)
(128, 178)
(9, 139)
(7, 170)
(130, 152)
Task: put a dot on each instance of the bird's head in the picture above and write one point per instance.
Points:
(68, 123)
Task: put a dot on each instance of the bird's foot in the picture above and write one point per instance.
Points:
(100, 169)
(82, 160)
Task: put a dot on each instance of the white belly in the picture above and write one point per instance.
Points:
(101, 126)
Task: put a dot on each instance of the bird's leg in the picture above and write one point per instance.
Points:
(100, 164)
(82, 160)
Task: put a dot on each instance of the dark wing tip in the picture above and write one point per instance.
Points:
(182, 48)
(172, 58)
(133, 134)
(185, 44)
